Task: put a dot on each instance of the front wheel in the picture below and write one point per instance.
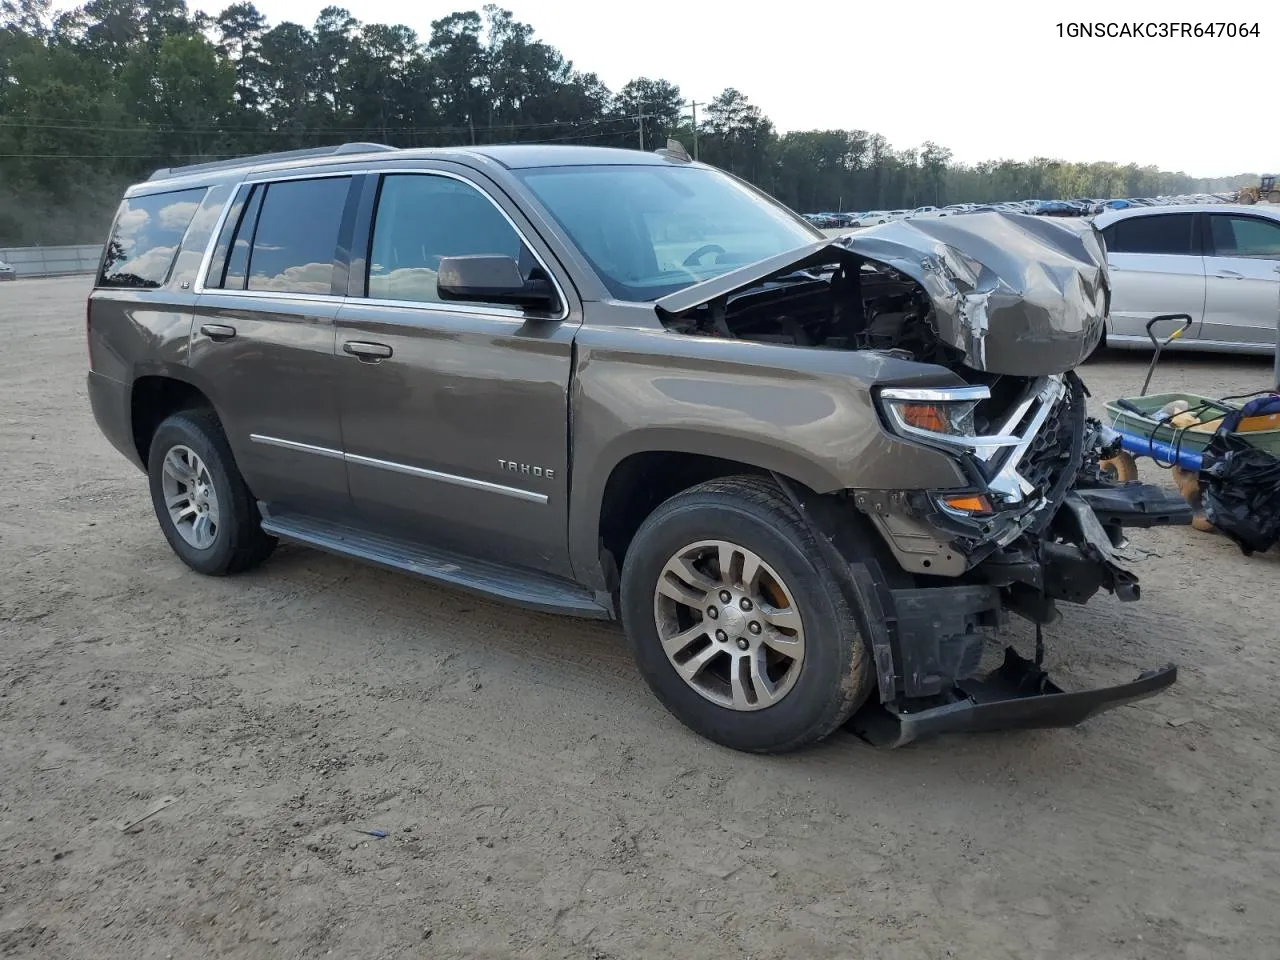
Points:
(736, 621)
(202, 503)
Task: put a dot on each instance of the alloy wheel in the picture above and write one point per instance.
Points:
(729, 625)
(190, 497)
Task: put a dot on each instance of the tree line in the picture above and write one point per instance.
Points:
(98, 96)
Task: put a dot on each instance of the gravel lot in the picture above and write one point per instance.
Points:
(538, 801)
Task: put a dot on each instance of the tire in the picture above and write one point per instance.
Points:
(1122, 467)
(236, 542)
(832, 678)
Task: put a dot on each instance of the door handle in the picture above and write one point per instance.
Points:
(217, 331)
(1229, 275)
(365, 351)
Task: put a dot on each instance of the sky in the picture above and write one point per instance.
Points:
(989, 80)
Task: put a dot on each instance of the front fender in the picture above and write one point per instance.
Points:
(805, 414)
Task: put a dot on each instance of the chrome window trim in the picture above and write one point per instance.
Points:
(470, 309)
(471, 483)
(512, 313)
(268, 295)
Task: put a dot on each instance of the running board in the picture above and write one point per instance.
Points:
(525, 588)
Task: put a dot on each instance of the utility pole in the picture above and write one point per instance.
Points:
(640, 117)
(694, 105)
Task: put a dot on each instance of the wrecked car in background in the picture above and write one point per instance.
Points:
(807, 475)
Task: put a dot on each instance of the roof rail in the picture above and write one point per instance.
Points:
(333, 151)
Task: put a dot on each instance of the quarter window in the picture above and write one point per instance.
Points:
(294, 239)
(145, 238)
(420, 219)
(1168, 233)
(1245, 237)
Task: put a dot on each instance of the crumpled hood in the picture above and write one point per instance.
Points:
(1017, 294)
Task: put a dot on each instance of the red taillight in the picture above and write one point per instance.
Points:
(88, 319)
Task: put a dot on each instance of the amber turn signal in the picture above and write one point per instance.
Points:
(969, 503)
(926, 416)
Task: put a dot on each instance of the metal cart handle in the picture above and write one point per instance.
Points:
(1186, 324)
(1155, 358)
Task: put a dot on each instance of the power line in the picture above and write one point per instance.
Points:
(219, 156)
(93, 126)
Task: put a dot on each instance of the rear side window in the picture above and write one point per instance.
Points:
(1245, 237)
(286, 238)
(1161, 233)
(145, 238)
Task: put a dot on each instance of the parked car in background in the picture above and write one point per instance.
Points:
(872, 217)
(1218, 263)
(7, 271)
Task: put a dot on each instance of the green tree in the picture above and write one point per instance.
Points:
(738, 136)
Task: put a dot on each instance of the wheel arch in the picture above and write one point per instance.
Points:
(158, 392)
(611, 502)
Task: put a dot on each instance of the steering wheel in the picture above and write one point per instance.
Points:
(695, 258)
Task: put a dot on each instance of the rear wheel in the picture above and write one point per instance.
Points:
(202, 503)
(736, 621)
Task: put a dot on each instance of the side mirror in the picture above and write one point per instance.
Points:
(492, 278)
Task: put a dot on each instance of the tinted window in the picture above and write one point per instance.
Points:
(1245, 237)
(237, 266)
(1160, 233)
(145, 238)
(421, 218)
(649, 230)
(297, 235)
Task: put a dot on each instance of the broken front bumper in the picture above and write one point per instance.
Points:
(929, 639)
(1017, 695)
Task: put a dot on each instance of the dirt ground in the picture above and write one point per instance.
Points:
(538, 802)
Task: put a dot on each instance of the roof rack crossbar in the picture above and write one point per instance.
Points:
(332, 151)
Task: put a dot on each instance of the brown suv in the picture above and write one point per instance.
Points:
(624, 385)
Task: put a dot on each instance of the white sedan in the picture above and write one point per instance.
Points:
(1219, 263)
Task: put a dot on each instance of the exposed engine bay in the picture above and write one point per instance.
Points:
(995, 293)
(854, 306)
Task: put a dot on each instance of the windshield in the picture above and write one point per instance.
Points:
(652, 230)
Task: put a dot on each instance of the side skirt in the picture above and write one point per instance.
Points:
(514, 585)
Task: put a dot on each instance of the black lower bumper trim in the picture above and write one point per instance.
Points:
(1017, 695)
(1137, 505)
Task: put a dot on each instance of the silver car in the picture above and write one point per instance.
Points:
(7, 272)
(1219, 263)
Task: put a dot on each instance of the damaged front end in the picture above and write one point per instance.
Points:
(1050, 529)
(1005, 306)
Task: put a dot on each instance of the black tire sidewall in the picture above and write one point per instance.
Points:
(805, 713)
(181, 429)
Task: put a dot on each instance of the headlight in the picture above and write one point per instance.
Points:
(942, 416)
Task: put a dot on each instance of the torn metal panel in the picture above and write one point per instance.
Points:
(1015, 294)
